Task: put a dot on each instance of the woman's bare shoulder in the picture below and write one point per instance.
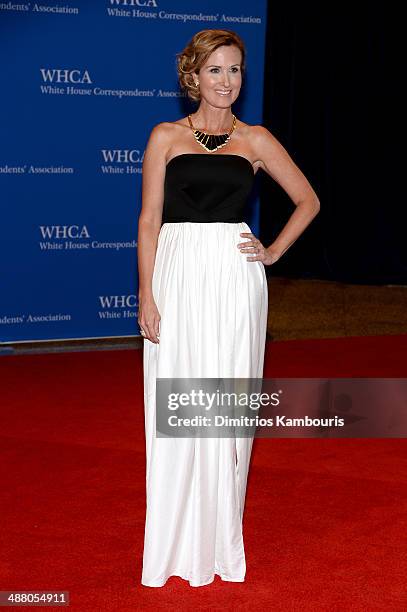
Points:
(248, 129)
(163, 135)
(259, 136)
(170, 126)
(165, 131)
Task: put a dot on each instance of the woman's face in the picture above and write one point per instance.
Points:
(220, 78)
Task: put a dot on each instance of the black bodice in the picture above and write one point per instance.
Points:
(207, 187)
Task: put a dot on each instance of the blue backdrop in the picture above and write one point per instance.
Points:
(83, 83)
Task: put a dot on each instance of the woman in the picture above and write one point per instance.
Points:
(203, 304)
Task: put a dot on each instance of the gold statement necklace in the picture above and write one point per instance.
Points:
(211, 142)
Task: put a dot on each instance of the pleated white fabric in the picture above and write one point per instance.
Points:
(213, 306)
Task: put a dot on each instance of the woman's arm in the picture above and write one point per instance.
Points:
(149, 224)
(149, 221)
(275, 160)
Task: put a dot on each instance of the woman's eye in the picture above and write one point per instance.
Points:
(235, 69)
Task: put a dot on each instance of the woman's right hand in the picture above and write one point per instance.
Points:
(149, 318)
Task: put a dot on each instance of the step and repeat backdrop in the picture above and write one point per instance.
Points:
(82, 85)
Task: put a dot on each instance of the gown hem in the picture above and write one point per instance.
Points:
(192, 582)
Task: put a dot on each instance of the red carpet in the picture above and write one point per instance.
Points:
(325, 520)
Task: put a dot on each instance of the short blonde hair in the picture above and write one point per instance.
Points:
(197, 51)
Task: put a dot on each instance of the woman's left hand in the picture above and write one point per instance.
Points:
(260, 253)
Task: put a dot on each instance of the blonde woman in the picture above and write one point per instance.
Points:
(203, 304)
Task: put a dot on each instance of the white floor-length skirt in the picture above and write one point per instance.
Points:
(213, 306)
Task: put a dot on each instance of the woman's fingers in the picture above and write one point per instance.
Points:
(151, 330)
(150, 335)
(251, 245)
(254, 247)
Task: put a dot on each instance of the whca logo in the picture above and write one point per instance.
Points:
(64, 231)
(64, 75)
(118, 301)
(121, 156)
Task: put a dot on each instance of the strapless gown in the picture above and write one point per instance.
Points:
(213, 306)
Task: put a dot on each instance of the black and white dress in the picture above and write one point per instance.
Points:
(213, 306)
